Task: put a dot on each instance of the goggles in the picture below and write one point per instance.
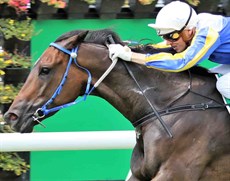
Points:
(175, 35)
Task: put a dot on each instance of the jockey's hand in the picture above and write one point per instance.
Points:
(119, 51)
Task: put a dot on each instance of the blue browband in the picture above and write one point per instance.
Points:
(43, 111)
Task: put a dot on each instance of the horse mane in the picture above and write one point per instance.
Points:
(93, 36)
(198, 70)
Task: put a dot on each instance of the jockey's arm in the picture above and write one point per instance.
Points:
(138, 58)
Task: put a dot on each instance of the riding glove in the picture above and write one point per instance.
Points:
(119, 51)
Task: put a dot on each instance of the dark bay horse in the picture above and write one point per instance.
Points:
(187, 103)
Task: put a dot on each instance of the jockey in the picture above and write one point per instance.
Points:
(195, 38)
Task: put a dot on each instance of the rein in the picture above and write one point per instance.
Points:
(44, 110)
(155, 112)
(110, 40)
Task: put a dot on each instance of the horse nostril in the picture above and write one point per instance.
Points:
(11, 117)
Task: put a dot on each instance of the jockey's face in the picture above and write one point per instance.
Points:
(183, 41)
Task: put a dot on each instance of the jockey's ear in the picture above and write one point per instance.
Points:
(73, 41)
(188, 36)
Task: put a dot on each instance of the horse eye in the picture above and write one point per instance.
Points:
(44, 71)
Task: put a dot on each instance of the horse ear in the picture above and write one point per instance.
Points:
(82, 35)
(73, 41)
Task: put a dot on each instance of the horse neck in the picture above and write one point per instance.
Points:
(121, 91)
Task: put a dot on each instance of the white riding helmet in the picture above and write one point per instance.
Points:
(173, 17)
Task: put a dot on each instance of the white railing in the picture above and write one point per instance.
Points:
(91, 140)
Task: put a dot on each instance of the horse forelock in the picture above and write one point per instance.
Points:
(93, 36)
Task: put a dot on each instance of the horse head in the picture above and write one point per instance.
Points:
(50, 85)
(70, 67)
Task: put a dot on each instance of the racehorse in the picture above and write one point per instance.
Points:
(182, 126)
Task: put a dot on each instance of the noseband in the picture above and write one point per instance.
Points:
(44, 110)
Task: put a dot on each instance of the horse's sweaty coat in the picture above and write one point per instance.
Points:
(199, 149)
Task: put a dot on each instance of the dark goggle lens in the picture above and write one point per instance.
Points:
(172, 36)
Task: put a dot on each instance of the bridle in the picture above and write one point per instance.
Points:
(44, 110)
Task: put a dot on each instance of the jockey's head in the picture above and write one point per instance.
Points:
(173, 20)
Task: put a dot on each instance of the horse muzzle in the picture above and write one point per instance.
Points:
(17, 124)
